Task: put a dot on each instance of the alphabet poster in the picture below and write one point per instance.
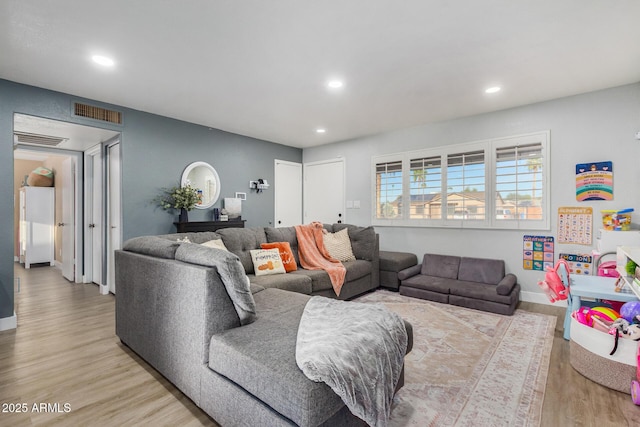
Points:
(594, 181)
(537, 253)
(575, 225)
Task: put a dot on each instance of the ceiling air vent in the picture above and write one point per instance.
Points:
(97, 113)
(33, 138)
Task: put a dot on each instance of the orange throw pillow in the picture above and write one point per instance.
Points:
(286, 255)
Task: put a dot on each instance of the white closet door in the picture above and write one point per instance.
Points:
(287, 193)
(324, 190)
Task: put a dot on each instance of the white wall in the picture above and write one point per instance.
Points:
(597, 126)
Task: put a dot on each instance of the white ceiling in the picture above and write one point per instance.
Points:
(259, 68)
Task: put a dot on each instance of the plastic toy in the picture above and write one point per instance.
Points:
(605, 313)
(630, 310)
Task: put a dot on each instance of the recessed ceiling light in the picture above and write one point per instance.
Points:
(493, 89)
(335, 84)
(103, 60)
(321, 130)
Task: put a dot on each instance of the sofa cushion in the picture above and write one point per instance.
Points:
(357, 269)
(284, 234)
(288, 282)
(267, 261)
(481, 270)
(260, 357)
(286, 255)
(240, 241)
(338, 245)
(445, 266)
(363, 240)
(152, 246)
(480, 291)
(319, 279)
(506, 285)
(430, 283)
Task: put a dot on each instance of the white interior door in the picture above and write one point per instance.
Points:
(68, 218)
(94, 227)
(324, 192)
(287, 193)
(114, 235)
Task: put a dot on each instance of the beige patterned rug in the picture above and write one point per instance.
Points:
(470, 368)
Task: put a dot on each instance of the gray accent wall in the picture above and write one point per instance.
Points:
(596, 126)
(155, 150)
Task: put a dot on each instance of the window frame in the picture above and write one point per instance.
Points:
(490, 148)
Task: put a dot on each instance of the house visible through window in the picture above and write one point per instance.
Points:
(389, 190)
(500, 183)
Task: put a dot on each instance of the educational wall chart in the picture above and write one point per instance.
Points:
(537, 253)
(575, 225)
(594, 181)
(578, 263)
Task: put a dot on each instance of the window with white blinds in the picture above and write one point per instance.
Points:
(389, 190)
(466, 186)
(499, 183)
(519, 182)
(425, 185)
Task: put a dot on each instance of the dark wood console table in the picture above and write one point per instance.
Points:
(186, 227)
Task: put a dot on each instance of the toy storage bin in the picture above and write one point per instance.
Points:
(589, 355)
(616, 220)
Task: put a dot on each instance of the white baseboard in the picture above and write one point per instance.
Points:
(7, 323)
(540, 298)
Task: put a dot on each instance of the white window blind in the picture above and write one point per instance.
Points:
(389, 189)
(519, 182)
(425, 188)
(466, 186)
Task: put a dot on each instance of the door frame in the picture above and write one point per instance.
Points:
(108, 269)
(78, 200)
(98, 152)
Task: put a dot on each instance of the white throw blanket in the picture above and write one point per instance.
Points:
(357, 349)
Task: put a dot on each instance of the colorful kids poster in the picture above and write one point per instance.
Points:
(575, 225)
(578, 263)
(537, 253)
(594, 181)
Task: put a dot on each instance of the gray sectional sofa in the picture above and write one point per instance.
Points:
(477, 283)
(362, 273)
(173, 309)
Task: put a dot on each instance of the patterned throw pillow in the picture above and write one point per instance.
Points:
(267, 261)
(216, 243)
(339, 246)
(286, 254)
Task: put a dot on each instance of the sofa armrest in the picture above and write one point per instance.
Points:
(507, 284)
(409, 272)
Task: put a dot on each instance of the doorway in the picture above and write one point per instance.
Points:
(62, 147)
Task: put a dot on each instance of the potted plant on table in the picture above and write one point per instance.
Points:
(183, 198)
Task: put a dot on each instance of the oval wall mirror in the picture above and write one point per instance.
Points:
(205, 179)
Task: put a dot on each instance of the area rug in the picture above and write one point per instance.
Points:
(470, 368)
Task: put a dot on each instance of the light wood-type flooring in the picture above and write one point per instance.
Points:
(65, 355)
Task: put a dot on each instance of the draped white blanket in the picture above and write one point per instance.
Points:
(357, 349)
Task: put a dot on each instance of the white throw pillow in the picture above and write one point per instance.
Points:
(267, 261)
(215, 243)
(339, 246)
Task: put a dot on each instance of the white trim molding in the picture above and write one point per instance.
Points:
(7, 323)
